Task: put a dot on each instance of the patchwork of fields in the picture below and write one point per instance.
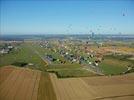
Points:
(26, 84)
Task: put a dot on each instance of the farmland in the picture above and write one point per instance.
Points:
(45, 90)
(23, 54)
(66, 49)
(94, 88)
(32, 53)
(19, 83)
(112, 65)
(66, 63)
(24, 83)
(65, 70)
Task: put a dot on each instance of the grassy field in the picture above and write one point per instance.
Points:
(69, 70)
(22, 54)
(115, 64)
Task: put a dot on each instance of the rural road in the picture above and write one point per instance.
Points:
(44, 59)
(93, 69)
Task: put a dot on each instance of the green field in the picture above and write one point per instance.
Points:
(115, 64)
(69, 70)
(22, 54)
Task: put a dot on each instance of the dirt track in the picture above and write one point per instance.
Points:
(21, 84)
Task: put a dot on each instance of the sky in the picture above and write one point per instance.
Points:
(66, 16)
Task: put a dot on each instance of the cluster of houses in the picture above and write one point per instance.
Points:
(45, 44)
(66, 51)
(6, 49)
(52, 59)
(80, 59)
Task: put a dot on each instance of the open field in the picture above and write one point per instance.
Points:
(27, 84)
(23, 54)
(115, 64)
(69, 70)
(21, 84)
(115, 88)
(4, 73)
(95, 88)
(45, 90)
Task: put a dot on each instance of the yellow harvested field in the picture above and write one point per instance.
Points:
(21, 84)
(94, 88)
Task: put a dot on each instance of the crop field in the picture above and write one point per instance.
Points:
(115, 64)
(94, 88)
(21, 84)
(66, 50)
(115, 87)
(4, 72)
(46, 90)
(27, 84)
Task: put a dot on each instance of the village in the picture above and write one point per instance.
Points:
(85, 53)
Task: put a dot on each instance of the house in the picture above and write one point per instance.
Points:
(9, 47)
(90, 63)
(30, 64)
(95, 64)
(4, 51)
(74, 60)
(91, 55)
(66, 53)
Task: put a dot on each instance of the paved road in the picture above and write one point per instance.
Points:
(93, 69)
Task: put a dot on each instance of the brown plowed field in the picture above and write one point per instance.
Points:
(94, 88)
(72, 89)
(21, 84)
(27, 84)
(4, 72)
(112, 87)
(46, 91)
